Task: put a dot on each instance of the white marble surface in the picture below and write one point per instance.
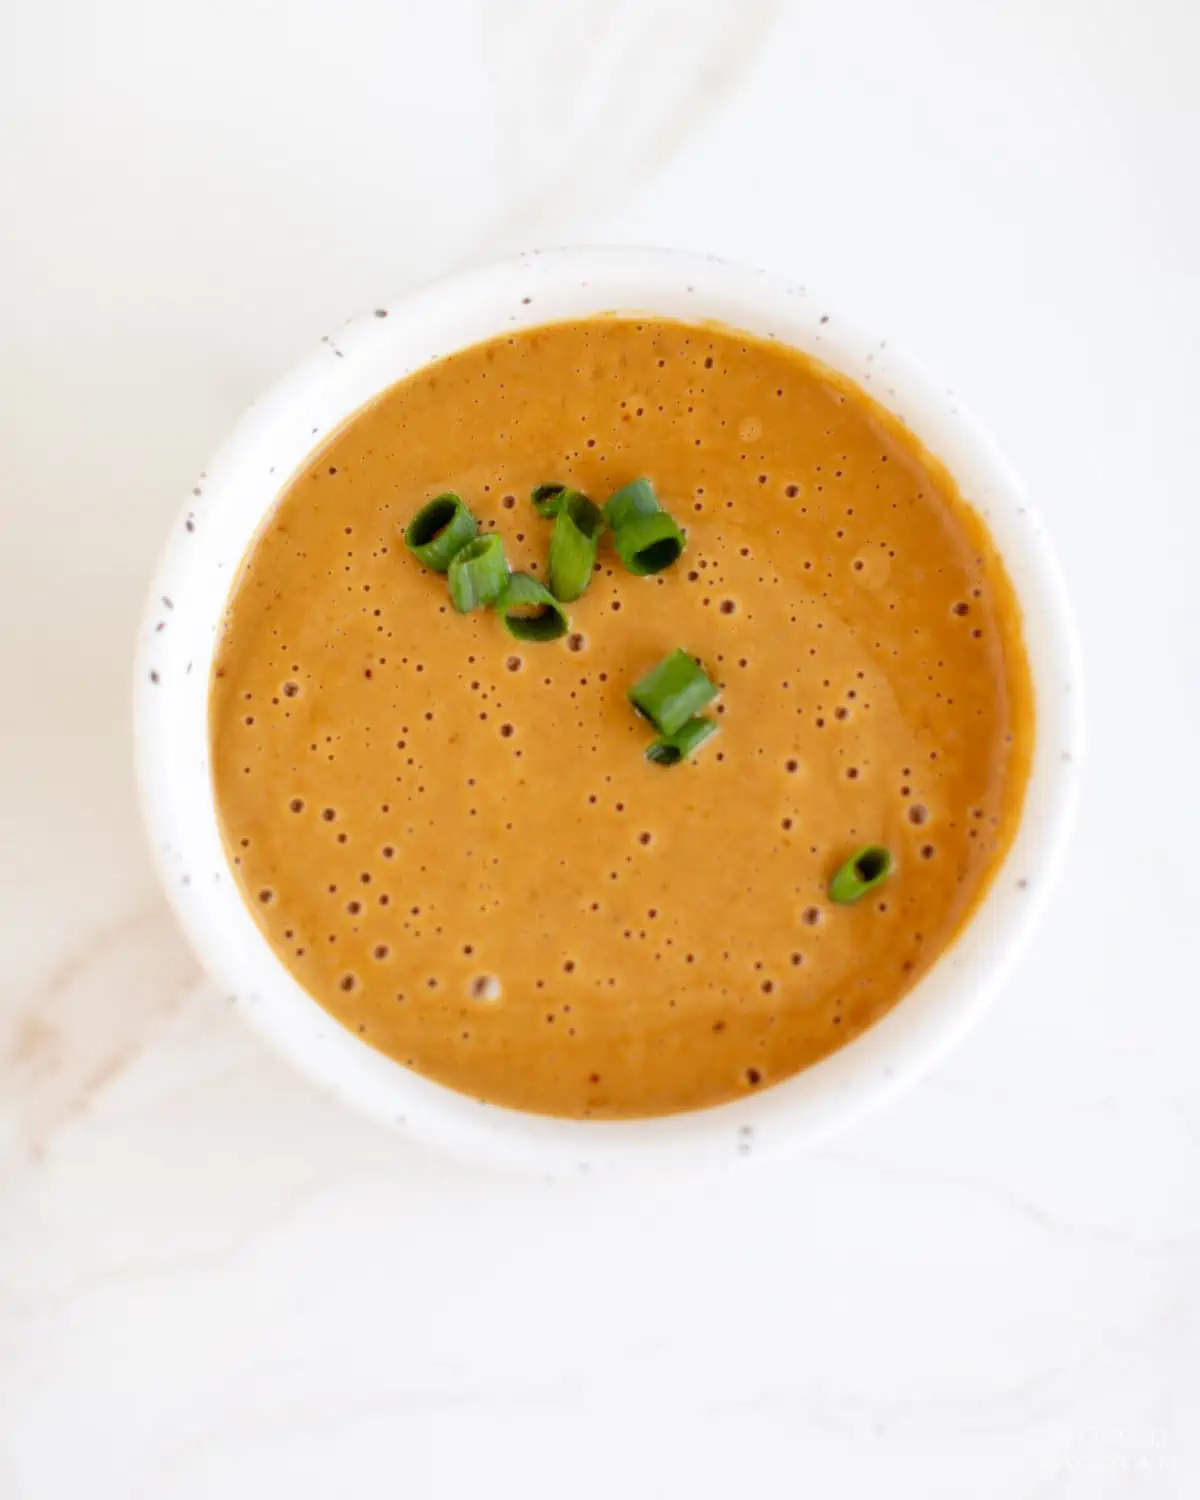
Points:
(214, 1283)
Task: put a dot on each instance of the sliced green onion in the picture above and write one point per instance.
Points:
(635, 499)
(860, 874)
(670, 749)
(672, 692)
(573, 546)
(646, 537)
(529, 611)
(547, 499)
(648, 544)
(478, 573)
(439, 529)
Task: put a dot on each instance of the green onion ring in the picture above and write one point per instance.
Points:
(670, 749)
(672, 692)
(548, 498)
(648, 544)
(438, 530)
(541, 618)
(573, 546)
(635, 499)
(478, 573)
(861, 873)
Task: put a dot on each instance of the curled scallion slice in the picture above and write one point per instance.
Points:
(861, 873)
(673, 692)
(670, 749)
(573, 546)
(548, 498)
(634, 499)
(648, 544)
(478, 573)
(441, 528)
(530, 611)
(646, 537)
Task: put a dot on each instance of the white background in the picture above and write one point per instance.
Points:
(214, 1283)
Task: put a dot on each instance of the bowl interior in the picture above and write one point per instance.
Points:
(227, 506)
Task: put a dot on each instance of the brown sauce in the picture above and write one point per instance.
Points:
(453, 840)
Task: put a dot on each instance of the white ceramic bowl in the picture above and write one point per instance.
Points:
(242, 483)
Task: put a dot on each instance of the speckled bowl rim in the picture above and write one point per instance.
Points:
(243, 481)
